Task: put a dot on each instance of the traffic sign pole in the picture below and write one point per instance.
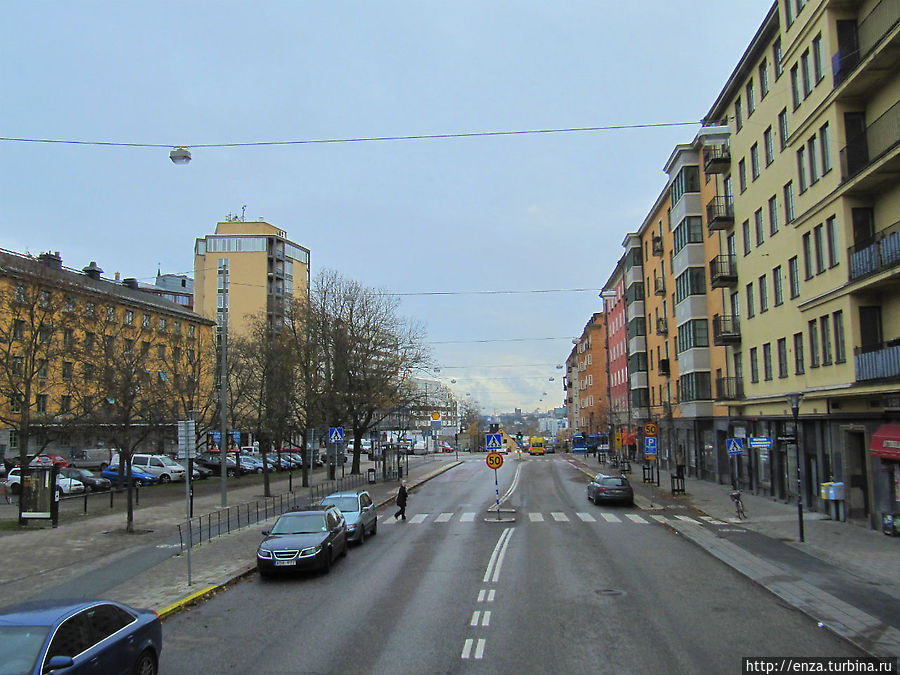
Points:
(497, 490)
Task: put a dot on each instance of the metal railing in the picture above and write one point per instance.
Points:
(716, 157)
(881, 253)
(871, 30)
(720, 212)
(879, 137)
(729, 388)
(723, 269)
(726, 329)
(880, 363)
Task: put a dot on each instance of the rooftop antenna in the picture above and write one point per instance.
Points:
(243, 212)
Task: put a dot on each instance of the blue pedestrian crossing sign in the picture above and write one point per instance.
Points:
(493, 442)
(735, 446)
(336, 434)
(649, 447)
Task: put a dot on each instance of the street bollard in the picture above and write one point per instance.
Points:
(85, 502)
(137, 495)
(110, 497)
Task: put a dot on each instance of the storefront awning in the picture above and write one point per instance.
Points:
(886, 442)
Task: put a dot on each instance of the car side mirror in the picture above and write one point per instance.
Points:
(265, 533)
(58, 663)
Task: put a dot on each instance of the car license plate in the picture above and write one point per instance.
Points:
(285, 563)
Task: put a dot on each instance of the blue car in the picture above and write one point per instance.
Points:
(79, 636)
(140, 477)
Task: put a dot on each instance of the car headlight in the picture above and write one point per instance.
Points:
(312, 550)
(263, 553)
(350, 528)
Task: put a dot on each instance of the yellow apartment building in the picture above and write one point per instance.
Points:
(251, 266)
(811, 177)
(588, 379)
(82, 357)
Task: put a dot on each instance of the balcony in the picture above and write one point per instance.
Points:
(723, 271)
(664, 368)
(729, 388)
(881, 363)
(726, 330)
(717, 158)
(881, 253)
(879, 138)
(659, 286)
(657, 246)
(870, 32)
(720, 213)
(662, 326)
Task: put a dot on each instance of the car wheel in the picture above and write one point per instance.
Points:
(59, 493)
(229, 473)
(15, 488)
(145, 664)
(259, 469)
(165, 478)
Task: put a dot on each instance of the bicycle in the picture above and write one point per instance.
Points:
(738, 504)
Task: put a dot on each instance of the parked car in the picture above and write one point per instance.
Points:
(138, 476)
(163, 467)
(212, 460)
(250, 463)
(603, 488)
(91, 458)
(48, 460)
(64, 484)
(446, 447)
(79, 636)
(303, 540)
(332, 458)
(200, 472)
(91, 482)
(359, 512)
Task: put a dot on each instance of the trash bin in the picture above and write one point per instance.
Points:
(371, 473)
(890, 524)
(399, 472)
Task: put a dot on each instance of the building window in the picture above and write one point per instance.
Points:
(745, 228)
(687, 180)
(782, 358)
(831, 237)
(813, 344)
(818, 63)
(688, 231)
(754, 365)
(813, 165)
(777, 63)
(806, 73)
(825, 139)
(763, 294)
(67, 367)
(783, 129)
(751, 305)
(767, 361)
(794, 277)
(788, 12)
(742, 175)
(763, 79)
(110, 314)
(17, 366)
(798, 354)
(768, 146)
(695, 387)
(693, 333)
(777, 287)
(751, 97)
(795, 85)
(129, 317)
(773, 215)
(42, 403)
(69, 304)
(807, 256)
(754, 161)
(738, 115)
(801, 169)
(758, 226)
(190, 330)
(68, 338)
(789, 202)
(840, 354)
(161, 324)
(690, 282)
(146, 321)
(819, 241)
(825, 330)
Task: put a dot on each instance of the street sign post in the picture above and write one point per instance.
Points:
(494, 461)
(735, 446)
(760, 443)
(493, 442)
(650, 447)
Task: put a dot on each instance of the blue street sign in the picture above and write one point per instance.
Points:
(649, 445)
(735, 446)
(336, 434)
(493, 442)
(760, 442)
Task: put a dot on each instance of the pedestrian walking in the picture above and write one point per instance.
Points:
(4, 488)
(401, 501)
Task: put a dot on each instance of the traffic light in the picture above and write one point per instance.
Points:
(495, 428)
(519, 436)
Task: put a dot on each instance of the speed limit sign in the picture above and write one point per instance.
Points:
(494, 460)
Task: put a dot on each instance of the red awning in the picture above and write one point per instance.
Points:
(886, 442)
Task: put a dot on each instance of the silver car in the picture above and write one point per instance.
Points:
(359, 512)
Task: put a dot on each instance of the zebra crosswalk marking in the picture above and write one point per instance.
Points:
(560, 517)
(418, 518)
(687, 519)
(443, 518)
(586, 517)
(712, 521)
(635, 518)
(536, 517)
(467, 517)
(610, 517)
(660, 519)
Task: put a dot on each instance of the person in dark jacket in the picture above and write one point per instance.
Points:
(401, 501)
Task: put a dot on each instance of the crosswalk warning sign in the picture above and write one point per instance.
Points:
(336, 434)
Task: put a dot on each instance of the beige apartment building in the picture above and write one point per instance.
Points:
(808, 204)
(258, 266)
(586, 400)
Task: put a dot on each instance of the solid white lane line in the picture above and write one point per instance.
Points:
(512, 488)
(481, 595)
(443, 518)
(586, 517)
(536, 517)
(486, 619)
(476, 616)
(610, 517)
(467, 517)
(502, 556)
(467, 648)
(491, 595)
(660, 519)
(479, 648)
(635, 518)
(494, 554)
(687, 519)
(418, 518)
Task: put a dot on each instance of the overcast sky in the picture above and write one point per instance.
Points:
(519, 212)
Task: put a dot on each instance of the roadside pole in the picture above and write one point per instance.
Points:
(186, 444)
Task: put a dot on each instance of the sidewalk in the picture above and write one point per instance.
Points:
(95, 552)
(844, 576)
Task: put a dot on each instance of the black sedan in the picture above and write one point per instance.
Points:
(303, 540)
(79, 636)
(91, 481)
(603, 488)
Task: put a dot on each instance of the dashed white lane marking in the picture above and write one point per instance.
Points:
(443, 518)
(467, 648)
(560, 517)
(476, 617)
(418, 518)
(712, 521)
(479, 648)
(586, 517)
(610, 517)
(687, 519)
(486, 618)
(660, 519)
(490, 597)
(635, 518)
(536, 517)
(467, 517)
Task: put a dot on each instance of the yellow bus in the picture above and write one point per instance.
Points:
(536, 447)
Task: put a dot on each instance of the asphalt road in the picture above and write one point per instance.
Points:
(564, 588)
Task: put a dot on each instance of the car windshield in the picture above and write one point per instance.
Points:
(612, 482)
(345, 504)
(300, 523)
(20, 647)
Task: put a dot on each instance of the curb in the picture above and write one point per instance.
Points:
(176, 607)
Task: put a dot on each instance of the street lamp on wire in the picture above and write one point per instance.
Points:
(794, 401)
